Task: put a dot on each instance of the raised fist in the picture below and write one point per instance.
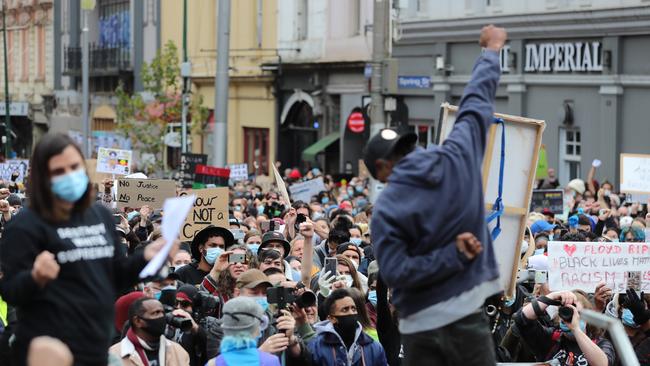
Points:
(493, 38)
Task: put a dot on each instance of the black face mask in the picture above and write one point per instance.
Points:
(346, 327)
(155, 327)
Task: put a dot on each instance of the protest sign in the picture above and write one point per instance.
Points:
(16, 165)
(210, 208)
(238, 172)
(114, 161)
(523, 140)
(582, 265)
(265, 182)
(542, 164)
(282, 187)
(552, 199)
(305, 190)
(205, 175)
(188, 168)
(635, 173)
(139, 192)
(91, 169)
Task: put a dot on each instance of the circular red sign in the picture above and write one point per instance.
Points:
(356, 122)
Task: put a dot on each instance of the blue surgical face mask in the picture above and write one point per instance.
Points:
(70, 187)
(565, 329)
(550, 237)
(355, 241)
(253, 248)
(260, 210)
(211, 254)
(131, 215)
(316, 215)
(350, 191)
(261, 300)
(628, 319)
(324, 200)
(372, 297)
(156, 295)
(539, 251)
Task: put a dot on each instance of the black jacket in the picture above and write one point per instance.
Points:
(76, 307)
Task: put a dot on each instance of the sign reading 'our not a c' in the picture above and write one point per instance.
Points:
(210, 208)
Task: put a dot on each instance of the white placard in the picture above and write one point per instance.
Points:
(583, 265)
(10, 166)
(238, 172)
(635, 173)
(305, 190)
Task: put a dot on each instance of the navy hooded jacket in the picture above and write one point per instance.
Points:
(432, 196)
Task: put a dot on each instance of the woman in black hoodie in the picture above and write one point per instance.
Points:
(61, 259)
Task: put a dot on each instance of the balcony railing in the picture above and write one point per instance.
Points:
(104, 61)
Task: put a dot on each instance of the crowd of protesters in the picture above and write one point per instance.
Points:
(336, 280)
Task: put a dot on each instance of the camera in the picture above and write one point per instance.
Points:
(179, 322)
(300, 218)
(565, 313)
(282, 296)
(204, 304)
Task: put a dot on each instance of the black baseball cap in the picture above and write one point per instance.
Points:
(383, 144)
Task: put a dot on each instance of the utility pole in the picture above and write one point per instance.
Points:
(86, 6)
(7, 111)
(219, 142)
(184, 71)
(379, 54)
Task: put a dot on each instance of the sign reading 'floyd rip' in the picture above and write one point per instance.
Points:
(210, 208)
(583, 265)
(140, 192)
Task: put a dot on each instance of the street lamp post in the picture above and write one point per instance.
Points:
(6, 72)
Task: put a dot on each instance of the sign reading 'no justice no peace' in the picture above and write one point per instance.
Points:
(140, 192)
(210, 208)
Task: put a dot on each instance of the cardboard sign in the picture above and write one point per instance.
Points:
(523, 140)
(140, 192)
(188, 168)
(114, 161)
(635, 173)
(582, 265)
(238, 172)
(282, 187)
(210, 208)
(552, 199)
(305, 190)
(265, 182)
(16, 165)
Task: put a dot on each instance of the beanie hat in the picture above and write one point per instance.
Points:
(241, 315)
(122, 308)
(577, 185)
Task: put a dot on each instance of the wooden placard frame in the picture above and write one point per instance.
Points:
(444, 128)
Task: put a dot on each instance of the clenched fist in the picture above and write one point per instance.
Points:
(468, 245)
(493, 38)
(45, 268)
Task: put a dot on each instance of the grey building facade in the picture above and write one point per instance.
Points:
(585, 72)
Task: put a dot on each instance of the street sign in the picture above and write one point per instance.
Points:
(356, 122)
(414, 82)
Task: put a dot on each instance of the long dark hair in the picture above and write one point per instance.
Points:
(39, 189)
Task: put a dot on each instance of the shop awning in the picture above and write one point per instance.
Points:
(309, 154)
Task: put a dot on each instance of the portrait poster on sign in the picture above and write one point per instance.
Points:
(210, 208)
(583, 265)
(136, 193)
(114, 161)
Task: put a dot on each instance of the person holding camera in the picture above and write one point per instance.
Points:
(207, 246)
(145, 343)
(340, 339)
(572, 341)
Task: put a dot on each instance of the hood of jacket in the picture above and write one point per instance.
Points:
(420, 168)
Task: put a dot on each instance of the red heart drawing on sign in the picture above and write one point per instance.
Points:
(570, 249)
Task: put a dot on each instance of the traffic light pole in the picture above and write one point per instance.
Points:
(220, 137)
(6, 72)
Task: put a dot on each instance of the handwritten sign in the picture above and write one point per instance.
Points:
(11, 166)
(305, 190)
(114, 161)
(582, 265)
(139, 192)
(265, 182)
(552, 199)
(210, 208)
(238, 172)
(188, 168)
(635, 173)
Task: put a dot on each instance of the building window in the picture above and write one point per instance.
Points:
(41, 52)
(103, 124)
(114, 24)
(24, 44)
(570, 154)
(355, 17)
(256, 149)
(302, 22)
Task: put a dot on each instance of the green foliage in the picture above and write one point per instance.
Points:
(144, 122)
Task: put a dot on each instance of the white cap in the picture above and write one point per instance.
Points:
(538, 262)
